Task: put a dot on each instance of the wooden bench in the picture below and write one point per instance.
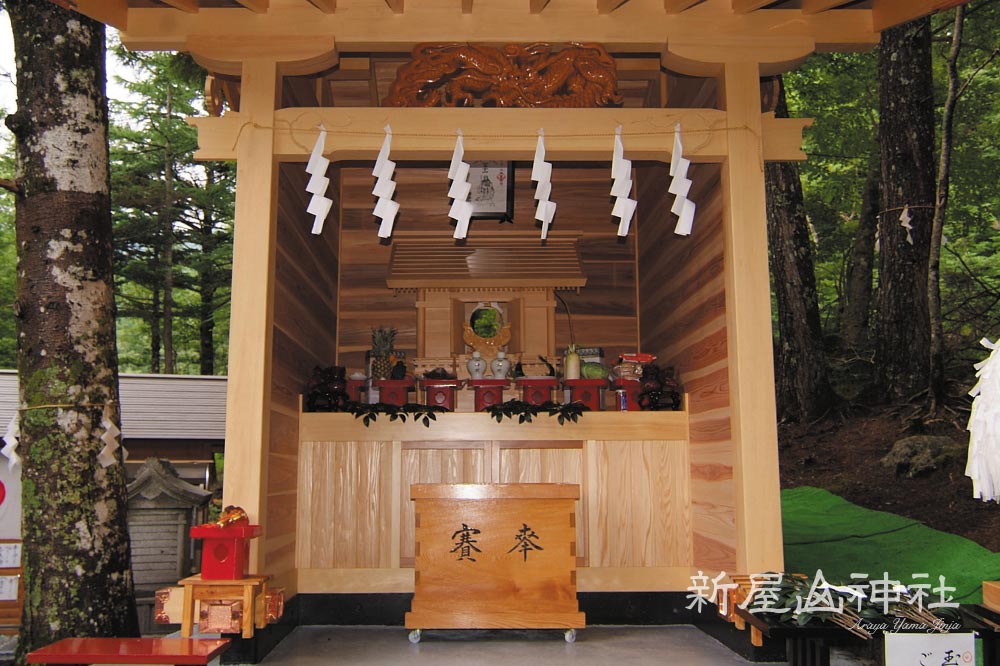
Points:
(178, 651)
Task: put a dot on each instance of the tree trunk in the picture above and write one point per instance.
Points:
(167, 224)
(803, 386)
(906, 140)
(77, 576)
(858, 282)
(154, 332)
(208, 283)
(936, 385)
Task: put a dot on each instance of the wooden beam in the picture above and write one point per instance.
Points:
(248, 395)
(635, 27)
(608, 6)
(747, 6)
(256, 6)
(295, 54)
(703, 57)
(190, 6)
(109, 12)
(397, 6)
(537, 6)
(677, 6)
(817, 6)
(325, 6)
(466, 6)
(748, 326)
(429, 134)
(889, 13)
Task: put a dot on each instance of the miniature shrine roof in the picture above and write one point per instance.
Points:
(490, 260)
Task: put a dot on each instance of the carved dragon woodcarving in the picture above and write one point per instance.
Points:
(578, 76)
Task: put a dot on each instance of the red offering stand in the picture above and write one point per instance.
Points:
(536, 390)
(393, 391)
(440, 392)
(587, 391)
(225, 555)
(489, 392)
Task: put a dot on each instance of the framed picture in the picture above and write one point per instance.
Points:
(492, 195)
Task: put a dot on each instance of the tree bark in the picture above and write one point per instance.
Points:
(803, 386)
(906, 140)
(208, 280)
(858, 281)
(76, 558)
(936, 385)
(167, 224)
(154, 332)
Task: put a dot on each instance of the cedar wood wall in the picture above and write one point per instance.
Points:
(304, 336)
(682, 309)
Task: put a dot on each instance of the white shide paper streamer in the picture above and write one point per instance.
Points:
(984, 427)
(458, 172)
(319, 204)
(904, 221)
(541, 173)
(621, 186)
(10, 442)
(385, 208)
(680, 185)
(107, 456)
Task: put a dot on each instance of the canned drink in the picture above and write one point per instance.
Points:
(622, 396)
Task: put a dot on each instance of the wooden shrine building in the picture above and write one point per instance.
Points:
(662, 494)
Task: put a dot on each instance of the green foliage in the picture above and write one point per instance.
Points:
(369, 413)
(525, 411)
(8, 264)
(383, 340)
(486, 322)
(173, 220)
(840, 91)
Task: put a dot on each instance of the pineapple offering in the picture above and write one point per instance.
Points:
(381, 354)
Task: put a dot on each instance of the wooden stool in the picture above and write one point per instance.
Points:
(248, 590)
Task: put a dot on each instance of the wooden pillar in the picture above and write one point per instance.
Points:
(249, 385)
(748, 324)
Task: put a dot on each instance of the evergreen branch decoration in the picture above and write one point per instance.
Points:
(525, 411)
(369, 413)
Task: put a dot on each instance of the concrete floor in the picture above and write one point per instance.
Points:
(595, 646)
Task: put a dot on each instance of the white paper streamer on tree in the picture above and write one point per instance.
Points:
(984, 427)
(10, 438)
(904, 221)
(621, 186)
(541, 173)
(385, 208)
(110, 438)
(319, 204)
(680, 186)
(461, 207)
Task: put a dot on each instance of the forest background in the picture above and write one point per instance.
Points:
(173, 217)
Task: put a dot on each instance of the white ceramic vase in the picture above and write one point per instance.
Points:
(476, 366)
(500, 365)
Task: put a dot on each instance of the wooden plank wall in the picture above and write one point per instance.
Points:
(304, 336)
(603, 312)
(683, 320)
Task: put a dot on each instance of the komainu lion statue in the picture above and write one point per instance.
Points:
(578, 76)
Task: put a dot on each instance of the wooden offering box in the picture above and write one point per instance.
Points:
(495, 556)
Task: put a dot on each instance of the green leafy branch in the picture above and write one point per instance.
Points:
(369, 413)
(525, 411)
